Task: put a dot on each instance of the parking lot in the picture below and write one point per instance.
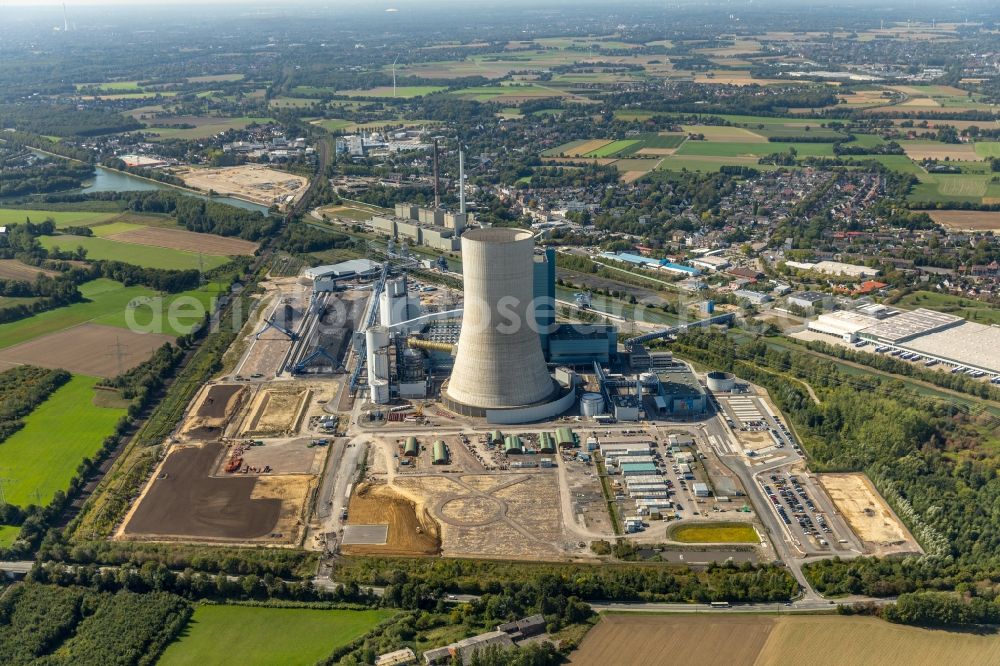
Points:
(805, 511)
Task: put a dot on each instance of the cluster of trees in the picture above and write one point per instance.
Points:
(419, 580)
(887, 148)
(304, 238)
(140, 384)
(21, 390)
(56, 120)
(209, 217)
(956, 382)
(930, 460)
(933, 609)
(74, 625)
(43, 178)
(47, 293)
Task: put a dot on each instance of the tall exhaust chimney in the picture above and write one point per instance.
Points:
(461, 182)
(437, 193)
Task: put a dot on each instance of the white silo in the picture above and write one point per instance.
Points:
(392, 302)
(591, 404)
(499, 362)
(377, 347)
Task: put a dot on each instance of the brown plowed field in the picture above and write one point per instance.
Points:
(378, 505)
(718, 637)
(191, 241)
(87, 349)
(12, 269)
(184, 501)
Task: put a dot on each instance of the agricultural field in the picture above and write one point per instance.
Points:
(955, 188)
(61, 218)
(42, 457)
(935, 150)
(12, 269)
(147, 256)
(715, 533)
(247, 635)
(403, 92)
(509, 93)
(965, 220)
(204, 126)
(109, 303)
(761, 640)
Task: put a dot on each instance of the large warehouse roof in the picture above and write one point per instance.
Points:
(842, 322)
(908, 325)
(343, 269)
(970, 344)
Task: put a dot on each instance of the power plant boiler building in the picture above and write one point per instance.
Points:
(500, 370)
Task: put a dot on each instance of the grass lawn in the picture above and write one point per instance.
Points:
(62, 218)
(147, 256)
(734, 149)
(950, 187)
(988, 149)
(42, 457)
(334, 124)
(8, 533)
(246, 635)
(715, 533)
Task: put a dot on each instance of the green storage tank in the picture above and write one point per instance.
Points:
(412, 447)
(512, 445)
(440, 456)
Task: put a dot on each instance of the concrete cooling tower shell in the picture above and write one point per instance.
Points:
(499, 362)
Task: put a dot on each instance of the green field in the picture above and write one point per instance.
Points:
(968, 308)
(205, 126)
(952, 187)
(42, 457)
(114, 86)
(737, 149)
(489, 93)
(147, 256)
(62, 218)
(612, 148)
(715, 533)
(106, 303)
(402, 92)
(8, 533)
(988, 149)
(334, 124)
(246, 635)
(566, 148)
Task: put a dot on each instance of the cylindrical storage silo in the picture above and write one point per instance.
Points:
(499, 362)
(720, 381)
(377, 342)
(591, 404)
(379, 391)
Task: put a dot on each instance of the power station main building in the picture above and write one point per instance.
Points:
(499, 363)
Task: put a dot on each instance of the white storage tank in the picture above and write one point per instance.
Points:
(720, 381)
(379, 391)
(591, 404)
(377, 343)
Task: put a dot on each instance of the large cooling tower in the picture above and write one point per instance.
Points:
(499, 361)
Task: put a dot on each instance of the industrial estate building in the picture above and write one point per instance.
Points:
(434, 228)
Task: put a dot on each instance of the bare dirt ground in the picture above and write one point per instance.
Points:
(967, 220)
(275, 412)
(87, 349)
(408, 533)
(215, 406)
(12, 269)
(251, 182)
(511, 515)
(292, 456)
(868, 514)
(190, 241)
(184, 502)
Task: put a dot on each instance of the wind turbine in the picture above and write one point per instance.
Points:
(394, 76)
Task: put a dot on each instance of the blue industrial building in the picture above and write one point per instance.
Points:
(566, 344)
